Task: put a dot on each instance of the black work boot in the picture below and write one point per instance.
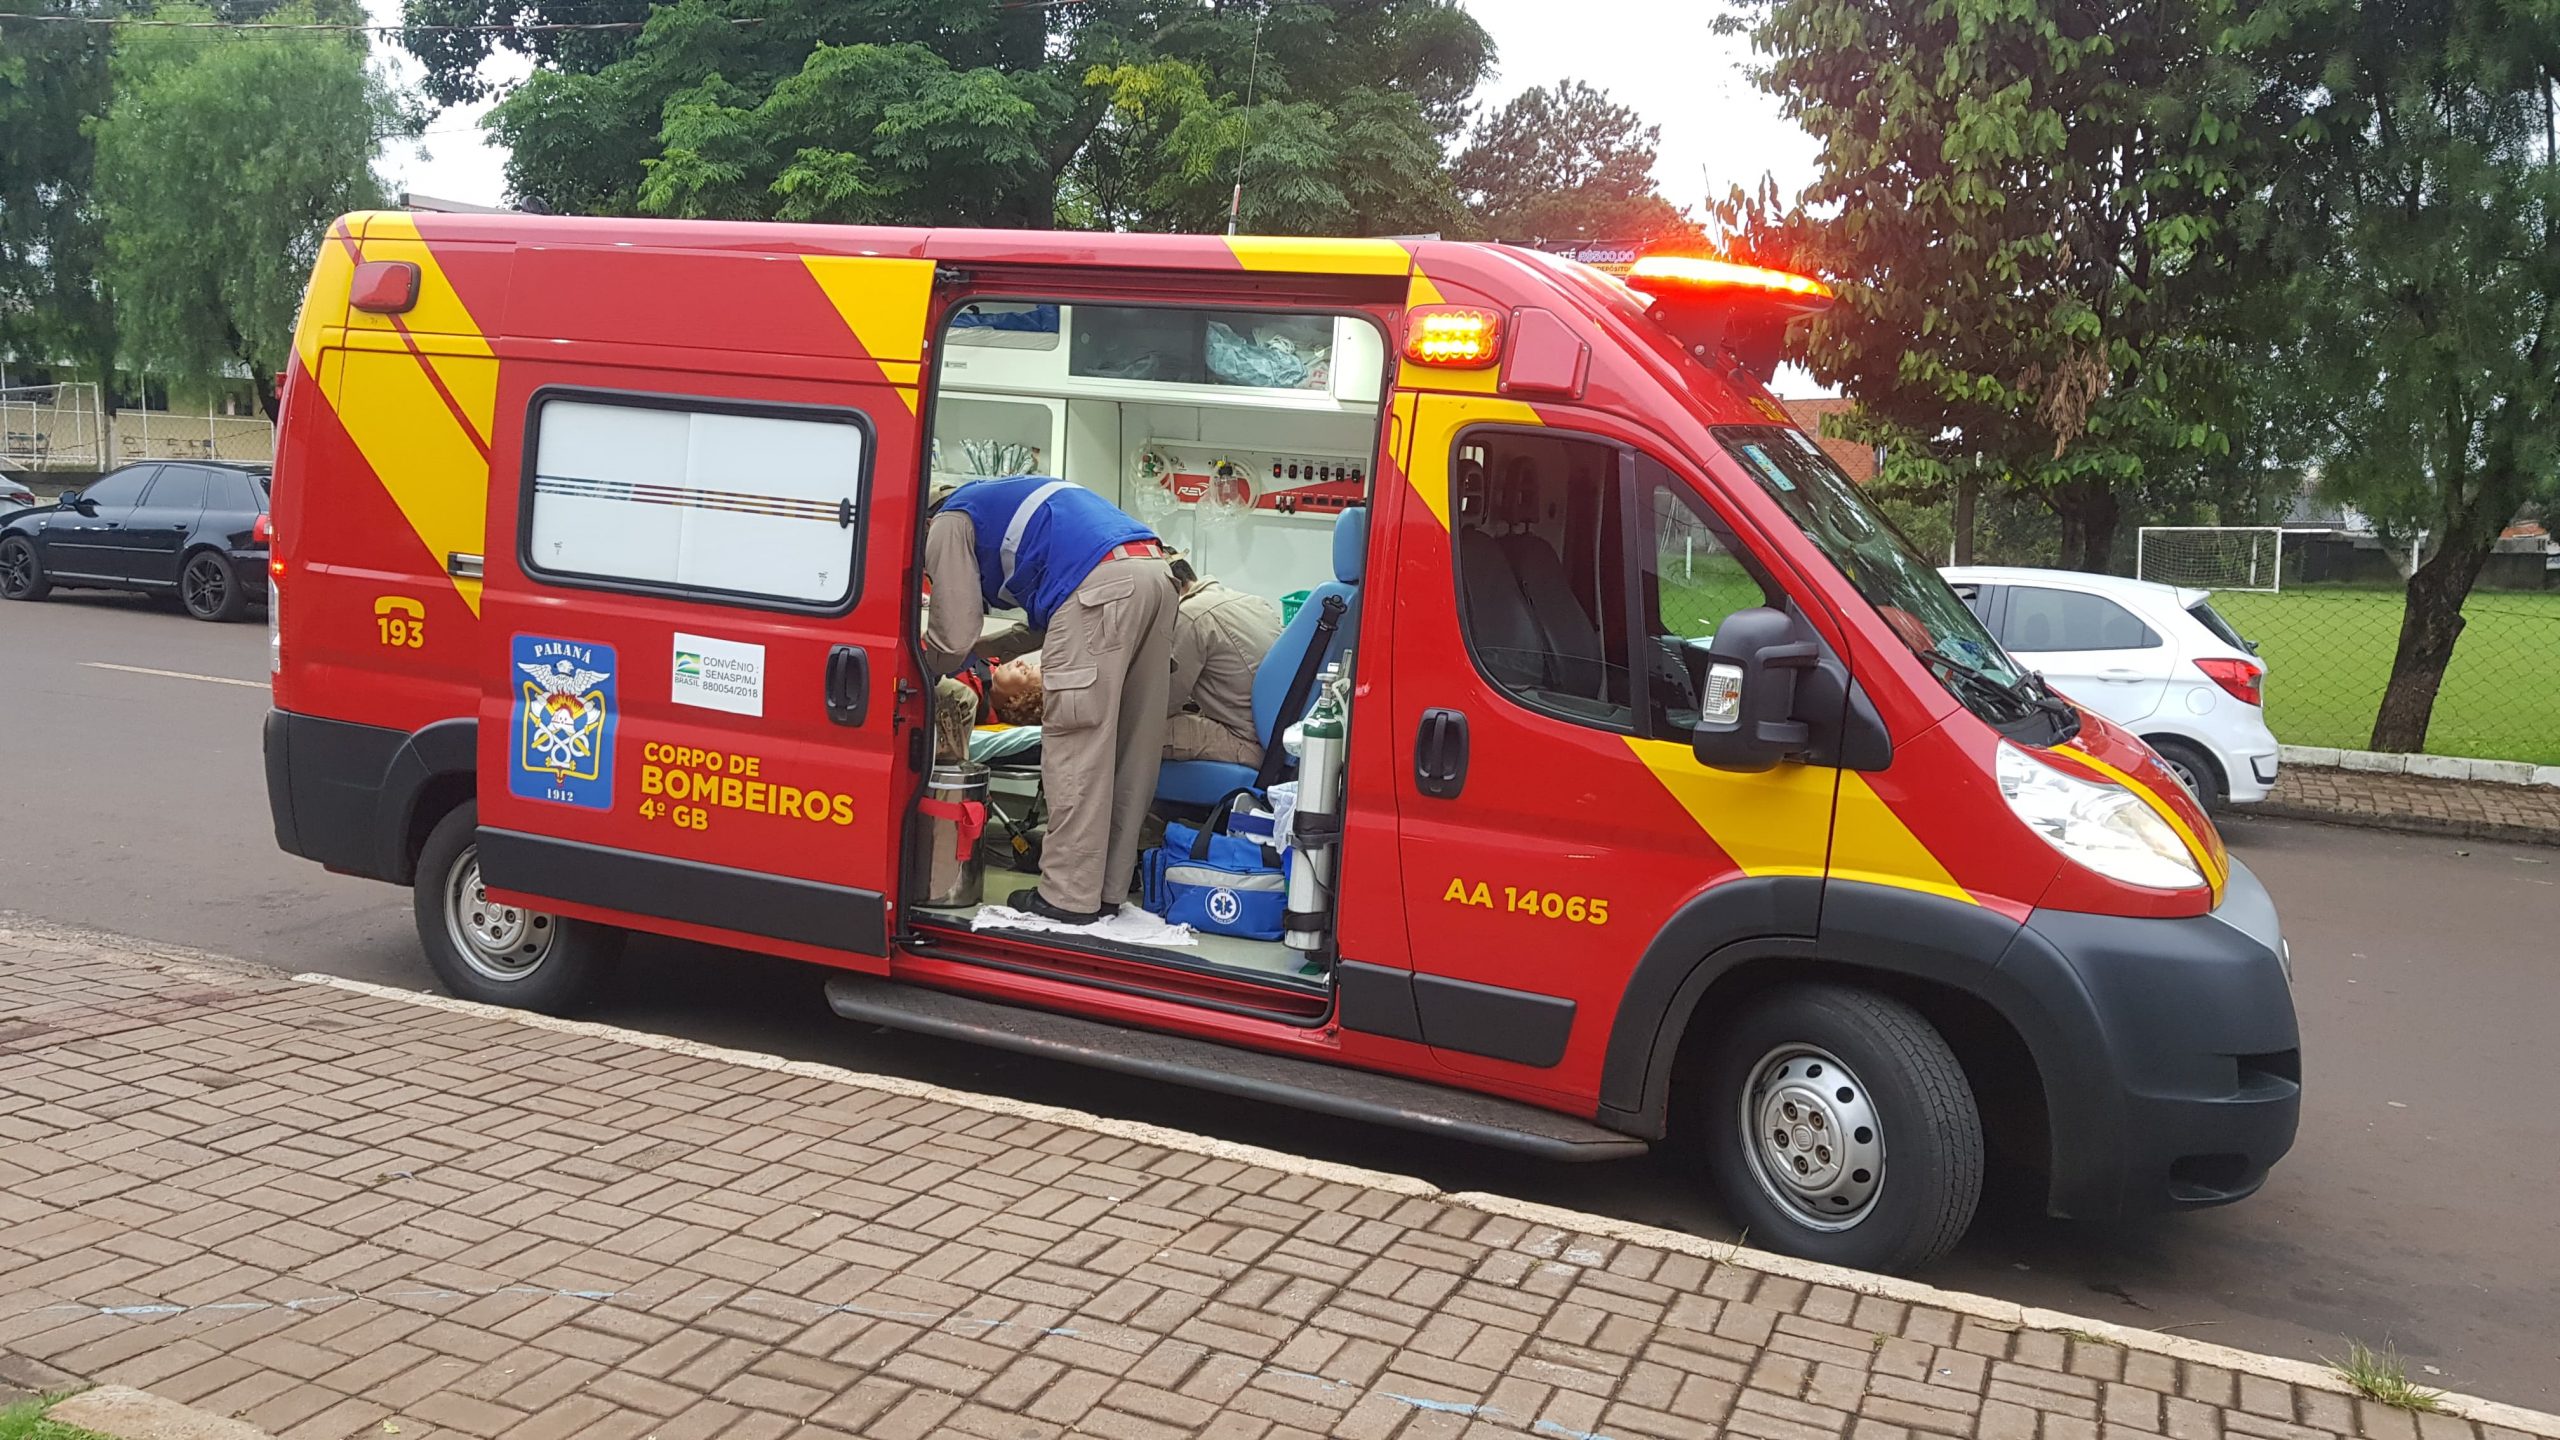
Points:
(1032, 902)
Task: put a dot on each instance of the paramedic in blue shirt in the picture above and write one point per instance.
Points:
(1099, 600)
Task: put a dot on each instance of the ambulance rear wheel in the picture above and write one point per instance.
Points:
(499, 954)
(1837, 1125)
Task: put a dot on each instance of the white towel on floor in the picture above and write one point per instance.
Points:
(1132, 926)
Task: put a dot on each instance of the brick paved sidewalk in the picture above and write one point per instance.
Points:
(2529, 814)
(336, 1214)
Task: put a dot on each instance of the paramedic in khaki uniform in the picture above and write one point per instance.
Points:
(1094, 584)
(1219, 639)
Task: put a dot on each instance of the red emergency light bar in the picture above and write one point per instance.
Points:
(1666, 274)
(1725, 312)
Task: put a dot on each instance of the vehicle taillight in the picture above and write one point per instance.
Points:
(2244, 679)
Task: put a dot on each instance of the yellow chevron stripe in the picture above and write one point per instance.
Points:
(883, 301)
(1786, 821)
(388, 398)
(461, 344)
(1316, 255)
(1869, 842)
(324, 299)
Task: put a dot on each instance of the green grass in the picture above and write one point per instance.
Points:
(2378, 1375)
(2328, 655)
(25, 1421)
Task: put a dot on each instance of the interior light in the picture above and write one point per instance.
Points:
(1453, 337)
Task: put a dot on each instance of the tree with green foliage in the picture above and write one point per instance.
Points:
(53, 81)
(1139, 114)
(2409, 246)
(221, 159)
(2010, 199)
(1565, 162)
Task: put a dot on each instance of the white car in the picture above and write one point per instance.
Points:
(2153, 658)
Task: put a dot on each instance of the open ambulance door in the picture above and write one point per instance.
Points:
(698, 708)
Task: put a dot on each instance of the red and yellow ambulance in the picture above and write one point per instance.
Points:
(1682, 803)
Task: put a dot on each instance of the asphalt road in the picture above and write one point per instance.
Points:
(2417, 1210)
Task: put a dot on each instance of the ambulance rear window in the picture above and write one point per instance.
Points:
(760, 503)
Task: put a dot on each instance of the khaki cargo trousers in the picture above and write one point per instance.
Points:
(1106, 673)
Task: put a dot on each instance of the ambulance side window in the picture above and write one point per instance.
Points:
(1541, 572)
(1695, 579)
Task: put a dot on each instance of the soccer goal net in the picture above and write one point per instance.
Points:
(51, 427)
(2211, 557)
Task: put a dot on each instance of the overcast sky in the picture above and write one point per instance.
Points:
(1654, 55)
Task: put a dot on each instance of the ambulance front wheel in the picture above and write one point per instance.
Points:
(1837, 1125)
(499, 954)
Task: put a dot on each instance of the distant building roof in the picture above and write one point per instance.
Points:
(1859, 460)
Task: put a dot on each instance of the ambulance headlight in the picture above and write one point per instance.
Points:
(2098, 823)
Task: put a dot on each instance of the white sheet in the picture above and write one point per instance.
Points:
(1132, 926)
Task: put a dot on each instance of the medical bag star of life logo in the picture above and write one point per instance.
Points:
(566, 711)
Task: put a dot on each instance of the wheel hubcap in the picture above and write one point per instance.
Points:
(1815, 1142)
(17, 569)
(206, 585)
(500, 942)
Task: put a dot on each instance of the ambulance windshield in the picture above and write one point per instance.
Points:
(1905, 589)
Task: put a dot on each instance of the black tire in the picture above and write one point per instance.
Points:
(1921, 1144)
(21, 572)
(209, 590)
(2196, 770)
(553, 969)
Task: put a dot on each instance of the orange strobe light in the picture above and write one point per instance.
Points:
(1453, 337)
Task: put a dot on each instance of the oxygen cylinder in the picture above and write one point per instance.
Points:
(1318, 822)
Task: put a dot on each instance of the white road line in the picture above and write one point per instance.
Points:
(174, 674)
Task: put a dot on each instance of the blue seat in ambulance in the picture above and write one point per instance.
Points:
(1202, 783)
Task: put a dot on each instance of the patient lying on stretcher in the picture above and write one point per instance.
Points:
(985, 695)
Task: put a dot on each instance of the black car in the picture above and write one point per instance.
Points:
(186, 528)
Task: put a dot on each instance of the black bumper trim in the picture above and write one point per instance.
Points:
(326, 785)
(835, 917)
(1326, 1089)
(2197, 1050)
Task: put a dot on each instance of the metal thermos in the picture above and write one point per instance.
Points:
(1318, 821)
(955, 811)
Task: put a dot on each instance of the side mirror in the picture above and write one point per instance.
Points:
(1747, 693)
(73, 500)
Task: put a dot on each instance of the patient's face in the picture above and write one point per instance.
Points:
(1014, 689)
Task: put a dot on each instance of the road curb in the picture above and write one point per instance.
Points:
(2425, 767)
(1981, 1307)
(2485, 830)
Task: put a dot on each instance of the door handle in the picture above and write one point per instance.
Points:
(2120, 674)
(848, 684)
(1440, 754)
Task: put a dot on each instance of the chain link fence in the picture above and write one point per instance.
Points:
(2323, 610)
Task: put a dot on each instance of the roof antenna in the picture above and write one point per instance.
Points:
(1235, 202)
